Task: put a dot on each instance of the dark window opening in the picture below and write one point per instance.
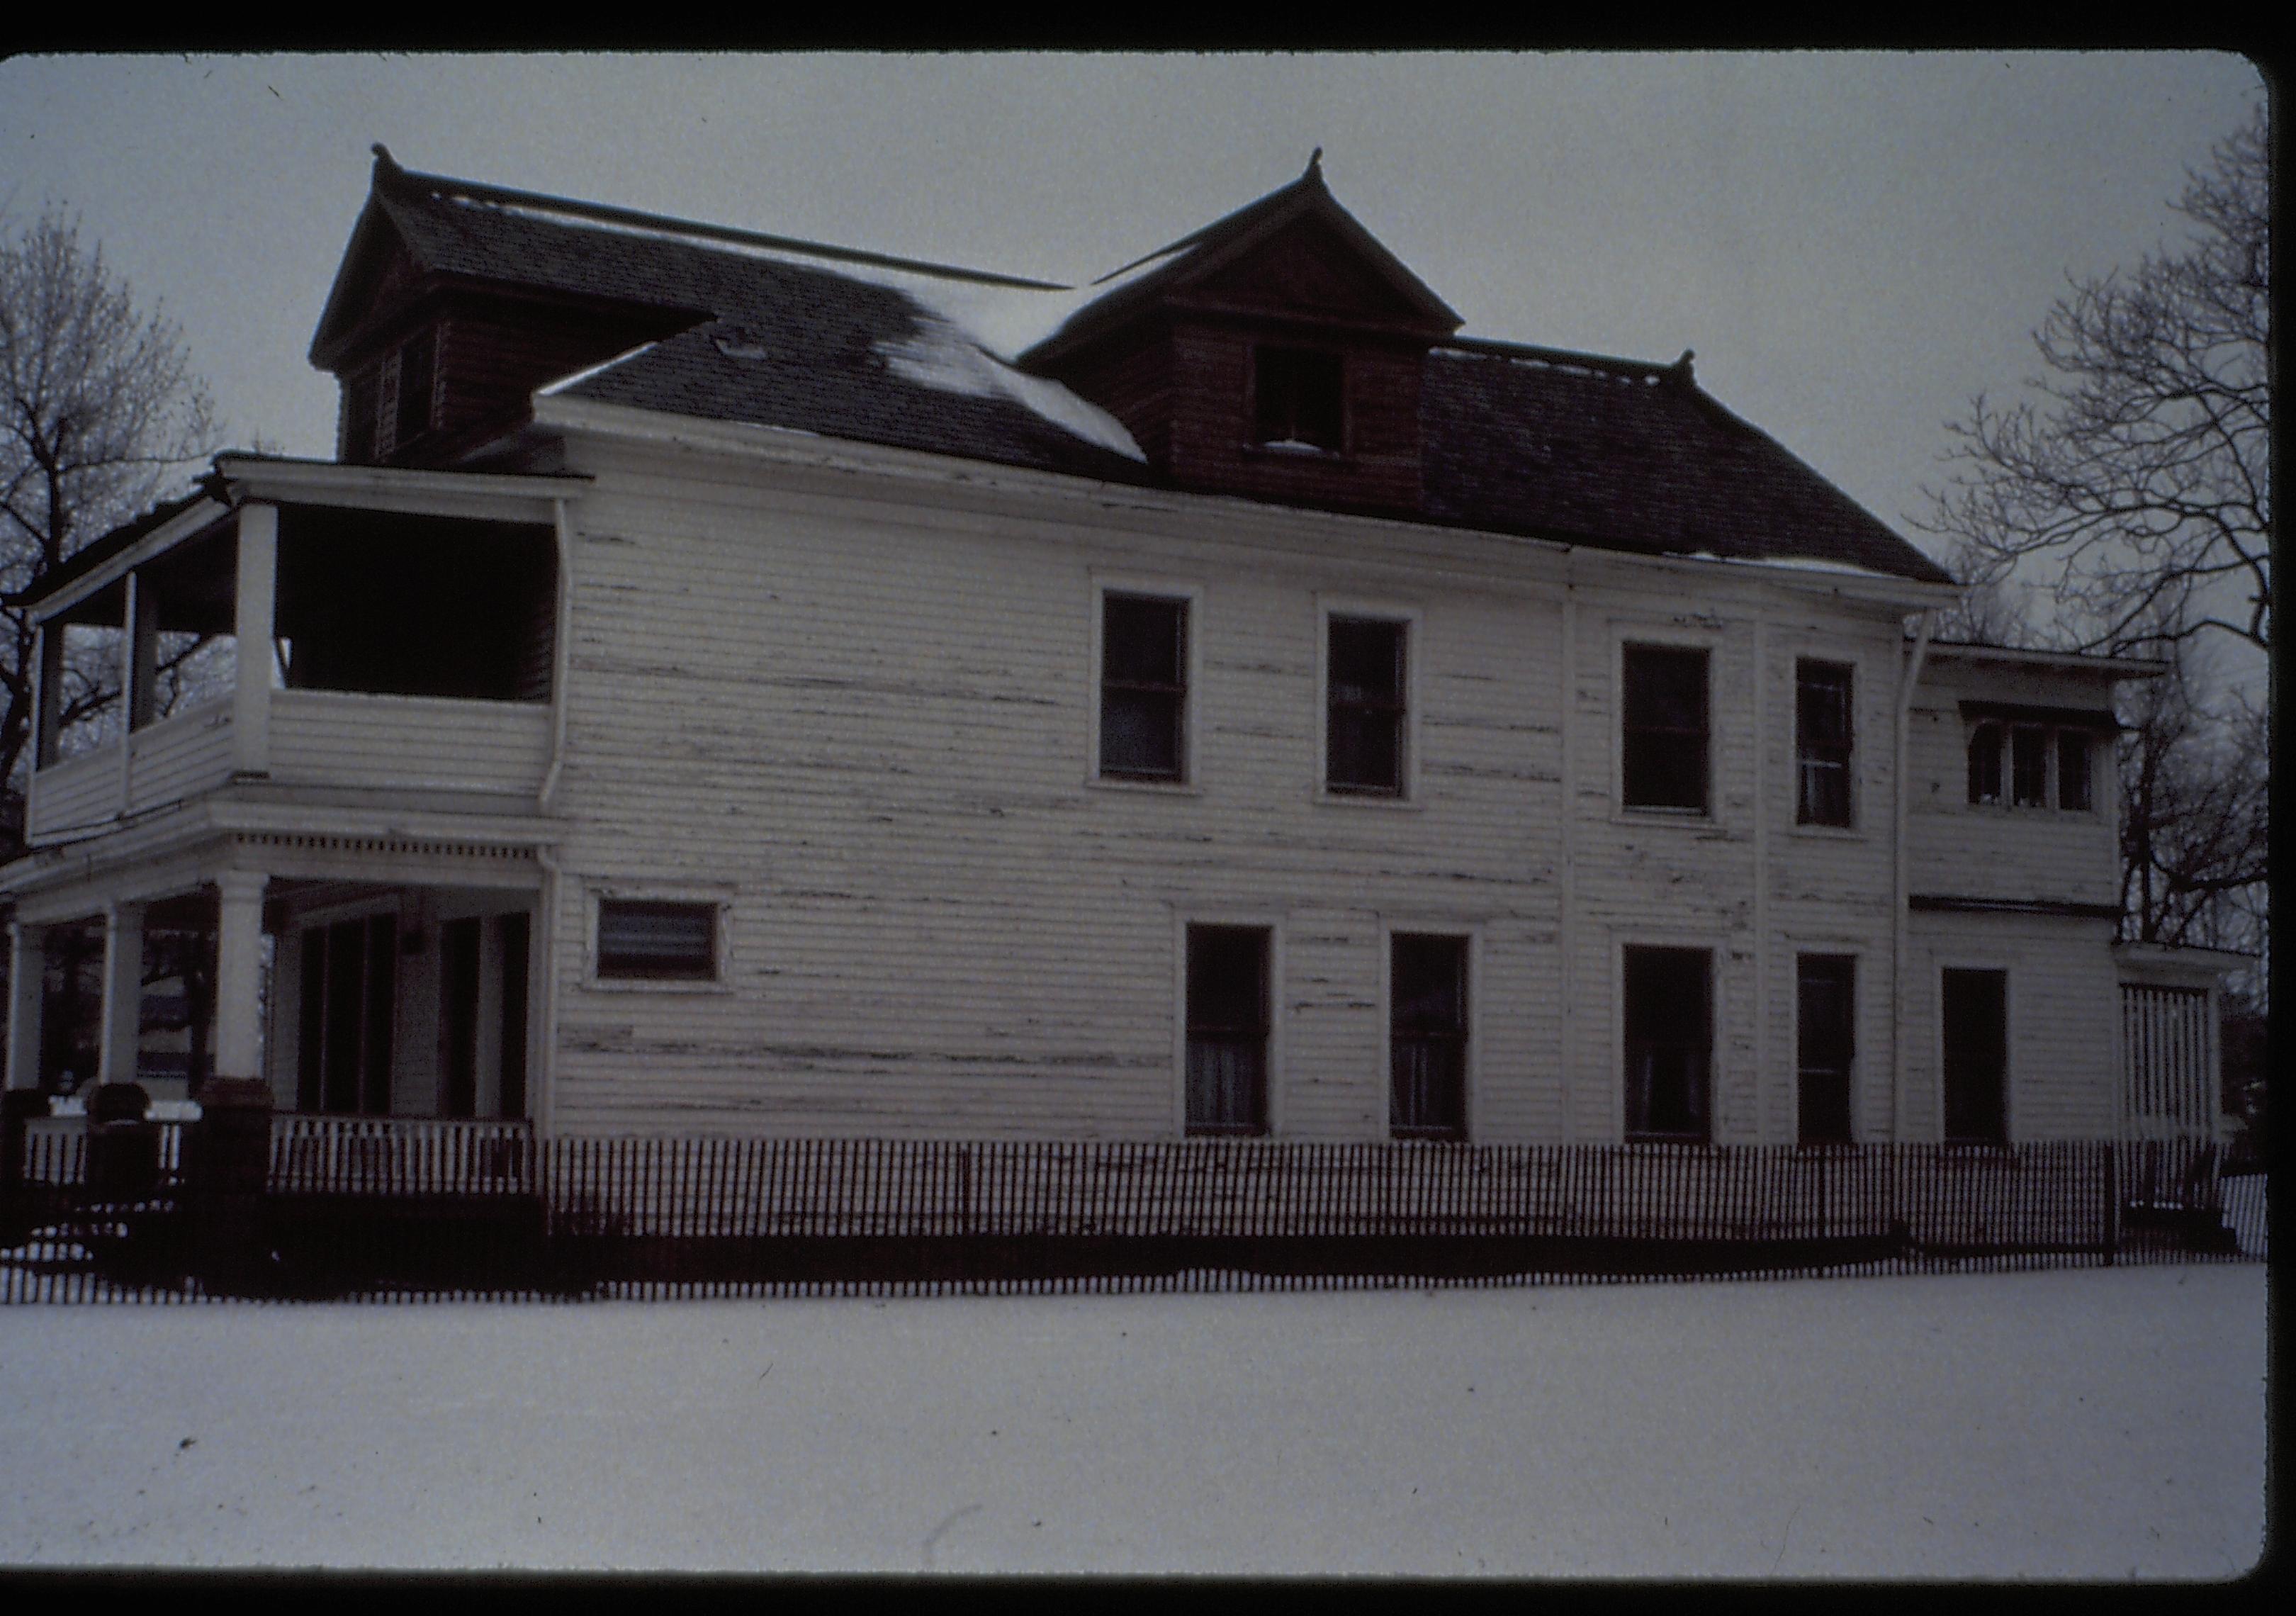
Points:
(514, 966)
(2028, 767)
(1822, 728)
(362, 392)
(1427, 1042)
(390, 604)
(1985, 763)
(2072, 770)
(1296, 399)
(417, 371)
(1144, 687)
(1364, 732)
(1664, 764)
(1227, 1030)
(1976, 1015)
(1669, 1042)
(458, 1015)
(343, 1052)
(1825, 1040)
(647, 940)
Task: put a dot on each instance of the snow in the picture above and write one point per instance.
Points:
(942, 356)
(2074, 1423)
(574, 378)
(1794, 563)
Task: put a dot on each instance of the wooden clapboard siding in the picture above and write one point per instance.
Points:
(343, 738)
(868, 728)
(180, 756)
(77, 791)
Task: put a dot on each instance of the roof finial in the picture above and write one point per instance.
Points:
(1315, 166)
(383, 159)
(1682, 367)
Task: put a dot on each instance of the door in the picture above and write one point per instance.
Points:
(350, 1002)
(1976, 1056)
(1825, 1041)
(482, 971)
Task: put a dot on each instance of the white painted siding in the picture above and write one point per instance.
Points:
(328, 737)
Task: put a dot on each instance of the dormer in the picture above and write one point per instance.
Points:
(437, 345)
(1276, 354)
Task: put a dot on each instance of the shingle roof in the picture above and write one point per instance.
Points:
(1613, 454)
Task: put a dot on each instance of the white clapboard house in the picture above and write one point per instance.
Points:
(730, 684)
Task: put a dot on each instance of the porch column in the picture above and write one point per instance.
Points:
(253, 598)
(239, 971)
(28, 970)
(123, 992)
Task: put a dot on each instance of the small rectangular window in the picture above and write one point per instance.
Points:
(361, 390)
(1822, 741)
(1367, 669)
(1825, 1039)
(416, 373)
(1985, 763)
(2028, 767)
(1427, 1043)
(1976, 1014)
(647, 941)
(1144, 687)
(1664, 762)
(1227, 1030)
(1296, 399)
(2072, 770)
(1669, 1040)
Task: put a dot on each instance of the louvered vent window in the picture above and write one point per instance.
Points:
(649, 940)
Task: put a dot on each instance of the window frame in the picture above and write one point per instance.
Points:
(1236, 918)
(1988, 787)
(1190, 1127)
(1628, 645)
(718, 899)
(1804, 746)
(1849, 961)
(1258, 440)
(2050, 764)
(1627, 1043)
(1408, 619)
(1189, 597)
(1469, 939)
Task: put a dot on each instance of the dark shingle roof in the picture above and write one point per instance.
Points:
(1614, 454)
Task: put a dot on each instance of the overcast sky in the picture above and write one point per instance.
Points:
(1853, 243)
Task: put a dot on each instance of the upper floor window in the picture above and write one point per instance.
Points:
(1296, 399)
(1822, 742)
(391, 403)
(652, 941)
(1144, 687)
(2032, 765)
(1663, 764)
(1366, 708)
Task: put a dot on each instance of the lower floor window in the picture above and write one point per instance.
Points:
(1427, 1042)
(652, 941)
(1976, 1014)
(1227, 1030)
(1825, 1007)
(1670, 1041)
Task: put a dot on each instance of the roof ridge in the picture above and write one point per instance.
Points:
(1652, 369)
(446, 188)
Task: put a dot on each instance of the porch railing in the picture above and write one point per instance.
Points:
(401, 1156)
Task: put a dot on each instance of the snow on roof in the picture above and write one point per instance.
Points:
(941, 355)
(1795, 563)
(575, 378)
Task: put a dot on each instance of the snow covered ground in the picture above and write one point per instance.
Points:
(2077, 1423)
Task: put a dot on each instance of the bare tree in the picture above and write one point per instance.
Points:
(2138, 471)
(101, 409)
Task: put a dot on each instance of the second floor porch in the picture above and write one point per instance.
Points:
(302, 626)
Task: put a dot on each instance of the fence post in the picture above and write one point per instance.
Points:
(226, 1169)
(18, 1107)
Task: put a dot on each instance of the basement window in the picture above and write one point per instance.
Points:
(1296, 400)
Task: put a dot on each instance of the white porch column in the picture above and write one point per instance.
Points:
(239, 971)
(253, 624)
(27, 969)
(123, 992)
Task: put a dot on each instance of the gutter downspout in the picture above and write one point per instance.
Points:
(1565, 933)
(1898, 1119)
(561, 654)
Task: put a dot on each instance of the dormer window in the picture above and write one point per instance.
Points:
(390, 403)
(1295, 396)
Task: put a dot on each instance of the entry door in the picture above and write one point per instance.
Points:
(350, 995)
(1976, 1056)
(482, 964)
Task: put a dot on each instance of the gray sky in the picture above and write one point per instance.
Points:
(1853, 243)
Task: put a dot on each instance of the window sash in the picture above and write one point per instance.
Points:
(1985, 763)
(1368, 670)
(1664, 728)
(650, 940)
(1825, 1046)
(1143, 693)
(2073, 771)
(1821, 709)
(2029, 768)
(1669, 1025)
(1427, 1038)
(1227, 1012)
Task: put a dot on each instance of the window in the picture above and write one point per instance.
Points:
(1669, 1023)
(647, 940)
(360, 392)
(2072, 770)
(1227, 1030)
(1144, 687)
(417, 369)
(2028, 767)
(1976, 1013)
(1296, 395)
(1427, 1042)
(1822, 742)
(1985, 763)
(1664, 763)
(1363, 733)
(1826, 1038)
(390, 404)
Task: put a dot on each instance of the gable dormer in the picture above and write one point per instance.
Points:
(439, 342)
(1275, 354)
